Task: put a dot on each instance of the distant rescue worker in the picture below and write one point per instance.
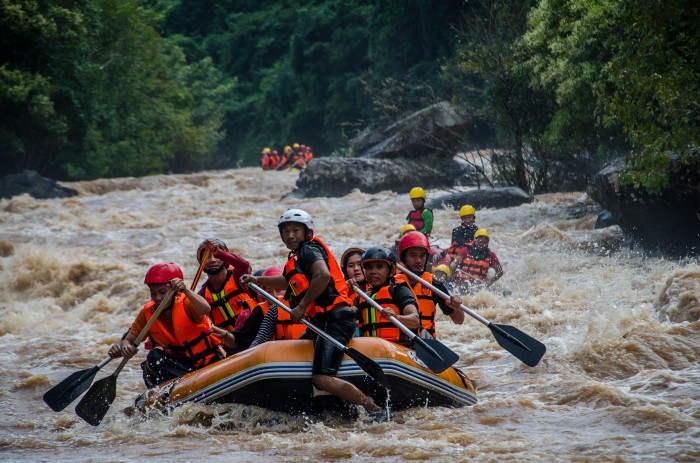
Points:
(396, 299)
(180, 340)
(308, 154)
(420, 217)
(316, 288)
(265, 159)
(231, 306)
(413, 253)
(297, 160)
(274, 160)
(472, 265)
(463, 235)
(286, 158)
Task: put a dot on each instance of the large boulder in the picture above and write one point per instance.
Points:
(333, 176)
(669, 221)
(495, 198)
(35, 185)
(436, 129)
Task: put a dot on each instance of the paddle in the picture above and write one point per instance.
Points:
(529, 350)
(369, 366)
(65, 392)
(95, 404)
(428, 350)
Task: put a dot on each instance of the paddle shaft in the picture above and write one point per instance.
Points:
(470, 312)
(313, 327)
(404, 329)
(442, 294)
(163, 304)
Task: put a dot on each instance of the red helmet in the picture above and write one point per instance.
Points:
(413, 239)
(163, 273)
(272, 272)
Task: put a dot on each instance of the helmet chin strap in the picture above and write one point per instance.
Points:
(214, 271)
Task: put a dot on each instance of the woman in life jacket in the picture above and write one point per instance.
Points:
(413, 252)
(396, 299)
(180, 340)
(352, 270)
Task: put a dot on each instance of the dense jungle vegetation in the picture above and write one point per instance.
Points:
(105, 88)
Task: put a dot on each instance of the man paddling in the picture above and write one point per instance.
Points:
(317, 289)
(413, 252)
(180, 340)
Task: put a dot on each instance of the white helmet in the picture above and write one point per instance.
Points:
(297, 216)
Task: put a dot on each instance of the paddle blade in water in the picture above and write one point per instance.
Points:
(436, 356)
(95, 404)
(369, 366)
(65, 392)
(528, 349)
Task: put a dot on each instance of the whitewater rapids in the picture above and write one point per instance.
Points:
(620, 380)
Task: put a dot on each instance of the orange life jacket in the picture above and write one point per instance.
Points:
(337, 289)
(286, 328)
(424, 298)
(189, 340)
(474, 269)
(273, 161)
(373, 323)
(228, 303)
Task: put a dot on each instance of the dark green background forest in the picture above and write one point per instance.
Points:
(107, 88)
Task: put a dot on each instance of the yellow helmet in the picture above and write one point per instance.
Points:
(266, 150)
(287, 148)
(417, 192)
(295, 146)
(481, 232)
(405, 228)
(467, 210)
(443, 268)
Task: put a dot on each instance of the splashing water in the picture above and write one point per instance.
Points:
(619, 382)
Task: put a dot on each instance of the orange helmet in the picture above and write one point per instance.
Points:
(162, 273)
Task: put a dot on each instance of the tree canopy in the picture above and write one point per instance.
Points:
(103, 88)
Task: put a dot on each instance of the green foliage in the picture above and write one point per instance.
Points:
(653, 86)
(625, 77)
(99, 88)
(91, 90)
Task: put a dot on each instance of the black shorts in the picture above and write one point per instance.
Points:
(340, 324)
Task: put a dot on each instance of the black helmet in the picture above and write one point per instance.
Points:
(379, 254)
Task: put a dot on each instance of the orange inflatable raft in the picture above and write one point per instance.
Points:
(277, 375)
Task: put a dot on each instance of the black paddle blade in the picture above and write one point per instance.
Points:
(528, 349)
(95, 404)
(65, 392)
(368, 365)
(436, 356)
